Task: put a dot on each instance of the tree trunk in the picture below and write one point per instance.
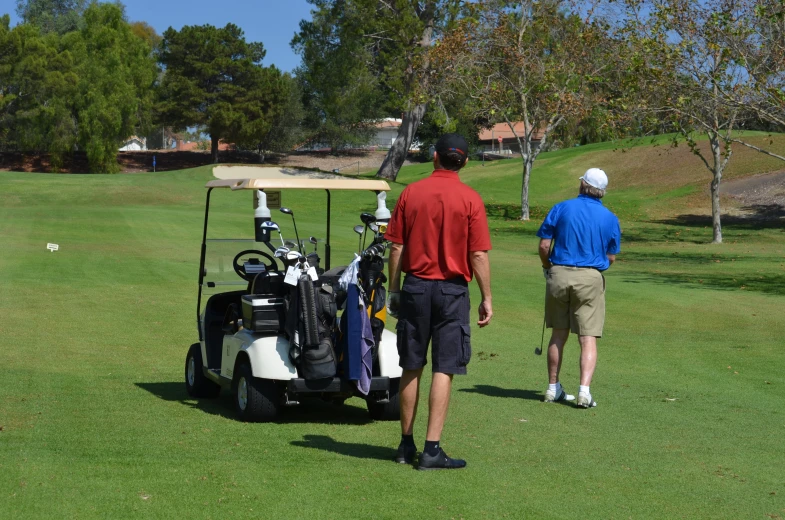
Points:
(715, 190)
(214, 148)
(527, 170)
(397, 154)
(716, 226)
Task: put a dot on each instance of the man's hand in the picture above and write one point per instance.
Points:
(393, 303)
(486, 313)
(546, 272)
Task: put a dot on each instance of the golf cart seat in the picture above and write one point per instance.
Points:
(214, 314)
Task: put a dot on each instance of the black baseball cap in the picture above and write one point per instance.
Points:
(452, 143)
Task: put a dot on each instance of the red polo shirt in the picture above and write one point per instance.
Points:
(439, 220)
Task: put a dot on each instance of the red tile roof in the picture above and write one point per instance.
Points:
(503, 130)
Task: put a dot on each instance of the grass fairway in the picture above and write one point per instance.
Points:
(95, 421)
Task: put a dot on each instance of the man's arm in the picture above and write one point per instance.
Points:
(611, 258)
(482, 273)
(545, 253)
(394, 267)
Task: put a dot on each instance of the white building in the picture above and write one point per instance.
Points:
(134, 144)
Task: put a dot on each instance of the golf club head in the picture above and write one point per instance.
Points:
(290, 244)
(313, 240)
(367, 218)
(373, 227)
(272, 226)
(281, 252)
(287, 211)
(538, 351)
(359, 229)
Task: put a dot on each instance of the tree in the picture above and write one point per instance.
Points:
(116, 75)
(285, 130)
(758, 44)
(214, 78)
(341, 95)
(37, 82)
(58, 16)
(526, 61)
(692, 51)
(382, 43)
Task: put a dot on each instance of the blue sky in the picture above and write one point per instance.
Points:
(268, 21)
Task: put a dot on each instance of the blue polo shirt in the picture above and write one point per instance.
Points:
(583, 231)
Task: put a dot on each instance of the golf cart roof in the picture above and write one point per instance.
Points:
(298, 183)
(248, 177)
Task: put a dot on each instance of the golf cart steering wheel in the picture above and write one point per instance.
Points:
(240, 270)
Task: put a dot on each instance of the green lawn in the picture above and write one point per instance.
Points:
(95, 422)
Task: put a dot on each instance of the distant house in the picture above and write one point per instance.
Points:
(134, 144)
(387, 133)
(193, 146)
(500, 139)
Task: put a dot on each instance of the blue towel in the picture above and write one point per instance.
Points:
(366, 353)
(352, 330)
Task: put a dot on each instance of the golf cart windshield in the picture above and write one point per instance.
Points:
(220, 257)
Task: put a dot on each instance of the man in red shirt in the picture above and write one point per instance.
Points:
(440, 239)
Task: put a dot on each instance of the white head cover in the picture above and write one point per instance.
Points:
(596, 178)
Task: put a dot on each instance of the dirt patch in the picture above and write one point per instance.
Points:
(347, 163)
(762, 196)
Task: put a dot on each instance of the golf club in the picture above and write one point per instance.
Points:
(313, 240)
(366, 218)
(538, 351)
(290, 212)
(359, 230)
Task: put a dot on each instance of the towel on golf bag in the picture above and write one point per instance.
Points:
(350, 344)
(366, 352)
(309, 325)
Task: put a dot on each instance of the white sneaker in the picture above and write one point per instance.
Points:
(585, 401)
(558, 395)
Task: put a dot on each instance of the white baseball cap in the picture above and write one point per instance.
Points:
(596, 178)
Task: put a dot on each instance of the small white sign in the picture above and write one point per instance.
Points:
(291, 276)
(52, 247)
(312, 274)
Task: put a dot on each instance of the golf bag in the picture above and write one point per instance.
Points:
(309, 324)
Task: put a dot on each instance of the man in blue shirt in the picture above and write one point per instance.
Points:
(579, 239)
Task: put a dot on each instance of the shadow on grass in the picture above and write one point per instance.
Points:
(315, 410)
(311, 409)
(761, 216)
(768, 284)
(175, 392)
(350, 449)
(513, 211)
(652, 258)
(510, 393)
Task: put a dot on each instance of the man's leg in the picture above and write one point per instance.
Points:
(438, 404)
(409, 398)
(588, 358)
(555, 351)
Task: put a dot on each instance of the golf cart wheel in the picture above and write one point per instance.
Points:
(196, 384)
(389, 411)
(256, 400)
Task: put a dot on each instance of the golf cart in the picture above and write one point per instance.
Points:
(277, 326)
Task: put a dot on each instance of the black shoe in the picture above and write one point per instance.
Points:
(406, 454)
(440, 461)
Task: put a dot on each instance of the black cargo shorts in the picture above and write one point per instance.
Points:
(437, 310)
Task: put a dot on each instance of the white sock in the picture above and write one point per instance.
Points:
(583, 390)
(554, 387)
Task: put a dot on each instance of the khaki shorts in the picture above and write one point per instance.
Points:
(575, 300)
